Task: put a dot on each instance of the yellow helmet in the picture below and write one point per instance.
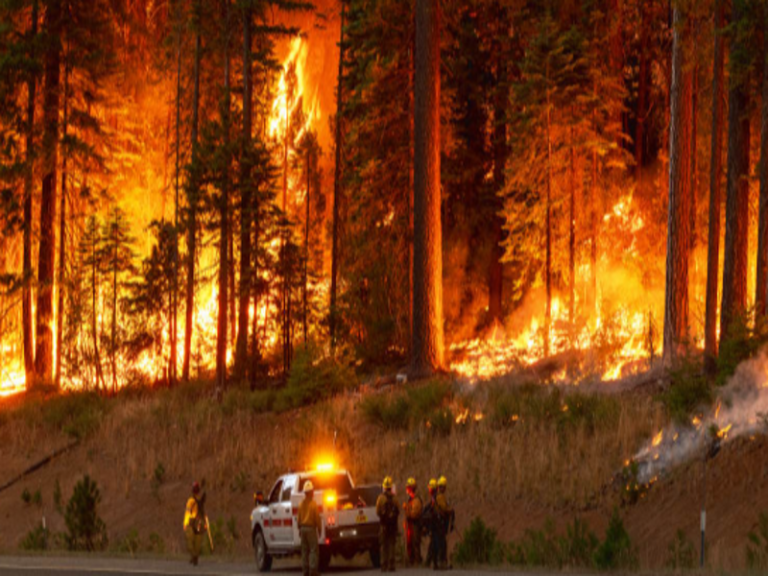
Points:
(411, 483)
(308, 486)
(387, 484)
(443, 482)
(432, 484)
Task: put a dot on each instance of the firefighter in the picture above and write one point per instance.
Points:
(446, 516)
(309, 529)
(194, 524)
(387, 510)
(413, 509)
(428, 521)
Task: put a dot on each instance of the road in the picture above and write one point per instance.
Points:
(47, 566)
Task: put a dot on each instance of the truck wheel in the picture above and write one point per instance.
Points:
(263, 559)
(325, 559)
(375, 553)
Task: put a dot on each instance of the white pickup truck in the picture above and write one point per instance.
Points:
(349, 522)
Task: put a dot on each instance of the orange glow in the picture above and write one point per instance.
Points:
(658, 438)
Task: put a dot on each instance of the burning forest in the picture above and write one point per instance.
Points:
(292, 200)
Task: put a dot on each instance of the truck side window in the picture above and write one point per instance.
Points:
(286, 494)
(274, 496)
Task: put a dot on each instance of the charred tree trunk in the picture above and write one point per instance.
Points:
(678, 232)
(47, 251)
(715, 190)
(246, 217)
(192, 204)
(427, 354)
(737, 191)
(27, 322)
(548, 231)
(172, 376)
(94, 312)
(62, 234)
(337, 186)
(694, 162)
(762, 239)
(224, 262)
(306, 246)
(642, 96)
(499, 147)
(572, 236)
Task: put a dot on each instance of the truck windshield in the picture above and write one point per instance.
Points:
(338, 482)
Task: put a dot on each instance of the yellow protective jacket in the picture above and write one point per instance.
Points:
(190, 514)
(443, 508)
(309, 516)
(413, 508)
(381, 508)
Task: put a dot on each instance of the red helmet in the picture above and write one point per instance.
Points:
(195, 488)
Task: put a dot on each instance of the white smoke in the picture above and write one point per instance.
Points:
(742, 410)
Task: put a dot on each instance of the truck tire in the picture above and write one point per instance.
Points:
(325, 558)
(375, 553)
(263, 559)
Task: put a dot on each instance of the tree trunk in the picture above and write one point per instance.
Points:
(175, 289)
(286, 296)
(246, 217)
(548, 230)
(642, 96)
(737, 194)
(306, 245)
(427, 353)
(221, 327)
(27, 322)
(113, 338)
(47, 251)
(572, 237)
(715, 190)
(337, 186)
(94, 314)
(762, 239)
(499, 145)
(192, 204)
(62, 234)
(678, 231)
(694, 162)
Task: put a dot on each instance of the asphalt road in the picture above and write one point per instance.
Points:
(48, 566)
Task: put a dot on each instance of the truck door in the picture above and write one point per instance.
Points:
(283, 518)
(271, 527)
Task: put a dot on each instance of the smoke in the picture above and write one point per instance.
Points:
(741, 410)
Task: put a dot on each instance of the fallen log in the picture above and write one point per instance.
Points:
(39, 464)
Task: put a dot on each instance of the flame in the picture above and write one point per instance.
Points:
(657, 439)
(723, 432)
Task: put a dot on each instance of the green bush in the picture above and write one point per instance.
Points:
(411, 406)
(36, 539)
(680, 553)
(130, 543)
(85, 529)
(156, 543)
(77, 414)
(689, 390)
(316, 375)
(544, 548)
(478, 545)
(745, 339)
(757, 545)
(615, 552)
(158, 477)
(26, 496)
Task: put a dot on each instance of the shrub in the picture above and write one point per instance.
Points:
(77, 414)
(26, 497)
(478, 545)
(156, 543)
(315, 375)
(575, 549)
(158, 477)
(412, 406)
(744, 340)
(441, 422)
(616, 550)
(130, 543)
(680, 553)
(36, 539)
(85, 529)
(390, 414)
(757, 545)
(690, 389)
(241, 482)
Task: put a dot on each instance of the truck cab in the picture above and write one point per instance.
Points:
(348, 517)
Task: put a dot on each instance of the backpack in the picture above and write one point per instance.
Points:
(389, 517)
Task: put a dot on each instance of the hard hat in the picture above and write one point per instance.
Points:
(195, 487)
(387, 484)
(442, 482)
(432, 484)
(308, 486)
(411, 483)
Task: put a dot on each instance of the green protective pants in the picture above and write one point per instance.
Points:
(310, 551)
(194, 542)
(388, 541)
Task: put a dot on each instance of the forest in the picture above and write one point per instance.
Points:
(225, 190)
